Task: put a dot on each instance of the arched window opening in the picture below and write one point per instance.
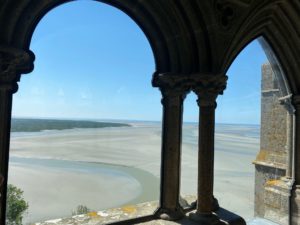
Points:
(189, 149)
(253, 143)
(86, 127)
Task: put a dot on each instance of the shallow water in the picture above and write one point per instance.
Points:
(129, 185)
(127, 160)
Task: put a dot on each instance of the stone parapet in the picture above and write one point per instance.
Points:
(276, 200)
(123, 213)
(106, 216)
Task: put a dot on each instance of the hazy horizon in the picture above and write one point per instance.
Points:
(116, 120)
(99, 64)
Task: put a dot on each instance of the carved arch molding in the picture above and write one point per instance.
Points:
(187, 37)
(197, 36)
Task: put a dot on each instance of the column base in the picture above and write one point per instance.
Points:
(170, 214)
(215, 206)
(204, 219)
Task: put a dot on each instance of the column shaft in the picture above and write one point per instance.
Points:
(207, 88)
(171, 156)
(297, 145)
(206, 159)
(289, 144)
(295, 198)
(5, 120)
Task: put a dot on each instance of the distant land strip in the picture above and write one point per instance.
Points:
(35, 125)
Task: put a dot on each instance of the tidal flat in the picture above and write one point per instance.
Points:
(109, 167)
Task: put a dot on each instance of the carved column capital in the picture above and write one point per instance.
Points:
(207, 87)
(14, 62)
(171, 84)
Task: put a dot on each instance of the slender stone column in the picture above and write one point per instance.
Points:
(296, 103)
(207, 88)
(287, 103)
(295, 198)
(289, 141)
(13, 62)
(173, 92)
(206, 155)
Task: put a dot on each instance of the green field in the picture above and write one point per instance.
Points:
(35, 125)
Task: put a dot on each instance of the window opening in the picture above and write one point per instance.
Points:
(251, 138)
(189, 149)
(86, 127)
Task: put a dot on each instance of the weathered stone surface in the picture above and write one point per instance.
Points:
(139, 210)
(273, 122)
(117, 214)
(106, 216)
(271, 190)
(263, 174)
(276, 201)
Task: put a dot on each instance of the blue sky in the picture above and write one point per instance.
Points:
(94, 62)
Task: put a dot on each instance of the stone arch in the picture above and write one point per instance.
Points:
(278, 30)
(169, 32)
(275, 23)
(188, 38)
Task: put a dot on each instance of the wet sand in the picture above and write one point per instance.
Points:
(122, 166)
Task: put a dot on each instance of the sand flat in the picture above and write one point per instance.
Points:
(138, 148)
(55, 193)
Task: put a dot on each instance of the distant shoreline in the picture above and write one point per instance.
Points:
(126, 121)
(109, 167)
(36, 125)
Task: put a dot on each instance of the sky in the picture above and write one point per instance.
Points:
(94, 62)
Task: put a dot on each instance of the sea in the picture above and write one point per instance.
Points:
(126, 159)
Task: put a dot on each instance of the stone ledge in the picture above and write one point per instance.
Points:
(106, 216)
(125, 212)
(120, 215)
(269, 164)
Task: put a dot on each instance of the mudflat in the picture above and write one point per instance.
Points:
(113, 166)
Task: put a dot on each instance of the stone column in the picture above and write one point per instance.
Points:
(13, 62)
(289, 145)
(173, 94)
(289, 140)
(207, 88)
(286, 101)
(295, 198)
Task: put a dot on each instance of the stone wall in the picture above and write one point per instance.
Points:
(271, 189)
(273, 122)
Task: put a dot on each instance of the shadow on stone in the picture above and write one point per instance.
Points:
(229, 217)
(225, 217)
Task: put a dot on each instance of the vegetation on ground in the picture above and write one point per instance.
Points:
(35, 125)
(81, 209)
(16, 205)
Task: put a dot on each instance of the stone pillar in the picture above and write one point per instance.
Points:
(13, 62)
(272, 171)
(207, 89)
(286, 101)
(295, 198)
(289, 139)
(173, 93)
